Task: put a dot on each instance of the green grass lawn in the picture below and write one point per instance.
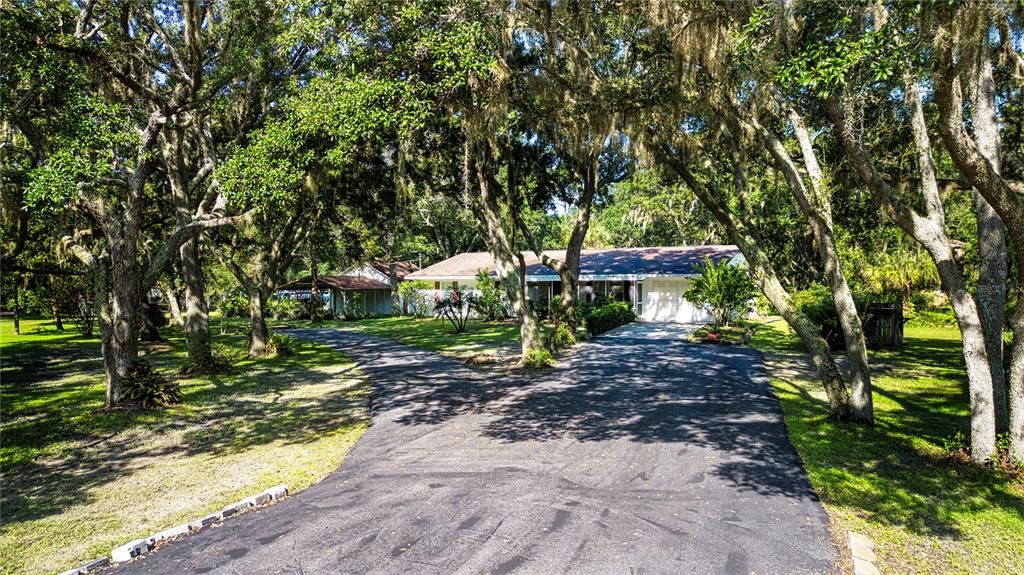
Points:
(78, 480)
(481, 337)
(895, 482)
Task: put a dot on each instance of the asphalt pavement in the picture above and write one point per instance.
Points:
(642, 454)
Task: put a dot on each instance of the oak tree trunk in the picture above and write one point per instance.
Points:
(1016, 383)
(17, 305)
(173, 305)
(567, 297)
(258, 332)
(503, 253)
(197, 312)
(396, 303)
(120, 343)
(816, 206)
(763, 274)
(58, 322)
(991, 298)
(928, 229)
(1006, 199)
(991, 289)
(975, 351)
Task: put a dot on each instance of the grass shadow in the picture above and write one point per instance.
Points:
(59, 447)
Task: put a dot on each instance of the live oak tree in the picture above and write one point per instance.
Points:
(684, 156)
(812, 195)
(243, 51)
(701, 88)
(966, 96)
(454, 59)
(322, 149)
(568, 91)
(876, 53)
(135, 77)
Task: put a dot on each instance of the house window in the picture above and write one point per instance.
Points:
(455, 285)
(437, 286)
(615, 291)
(585, 292)
(639, 302)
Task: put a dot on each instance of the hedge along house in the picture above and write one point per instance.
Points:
(347, 296)
(652, 279)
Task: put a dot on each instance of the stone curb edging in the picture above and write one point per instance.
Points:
(863, 550)
(138, 547)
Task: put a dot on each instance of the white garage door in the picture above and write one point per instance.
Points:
(664, 302)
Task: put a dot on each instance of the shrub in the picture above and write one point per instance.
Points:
(281, 344)
(723, 288)
(539, 308)
(817, 304)
(560, 316)
(562, 337)
(763, 306)
(934, 318)
(235, 305)
(149, 388)
(608, 316)
(491, 301)
(212, 365)
(455, 305)
(956, 443)
(414, 293)
(286, 308)
(537, 358)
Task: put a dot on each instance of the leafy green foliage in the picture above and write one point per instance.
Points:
(491, 301)
(455, 305)
(561, 338)
(93, 134)
(281, 344)
(235, 305)
(817, 303)
(609, 315)
(560, 315)
(934, 318)
(642, 211)
(286, 308)
(539, 307)
(414, 293)
(149, 388)
(835, 47)
(725, 289)
(538, 358)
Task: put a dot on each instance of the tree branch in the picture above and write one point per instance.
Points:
(183, 234)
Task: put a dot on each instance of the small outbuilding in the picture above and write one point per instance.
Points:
(347, 296)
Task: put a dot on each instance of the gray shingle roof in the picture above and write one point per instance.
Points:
(402, 269)
(344, 283)
(676, 260)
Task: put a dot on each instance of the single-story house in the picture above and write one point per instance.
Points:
(652, 279)
(381, 270)
(346, 296)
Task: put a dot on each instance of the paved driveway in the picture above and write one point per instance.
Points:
(643, 454)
